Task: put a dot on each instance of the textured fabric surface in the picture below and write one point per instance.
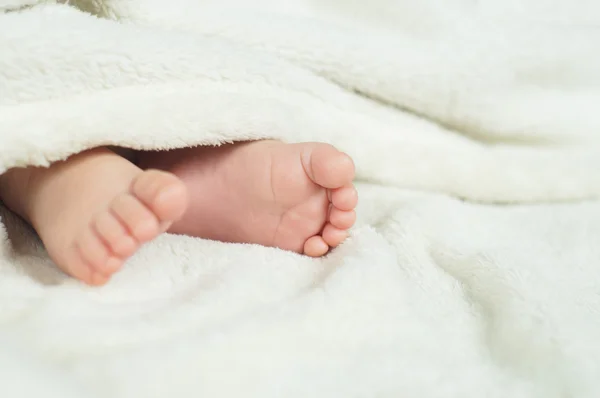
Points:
(474, 269)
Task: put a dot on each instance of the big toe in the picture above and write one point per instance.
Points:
(328, 167)
(163, 193)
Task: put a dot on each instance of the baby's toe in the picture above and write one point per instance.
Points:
(98, 279)
(328, 167)
(140, 222)
(75, 265)
(334, 236)
(96, 255)
(92, 250)
(345, 198)
(315, 247)
(114, 235)
(162, 193)
(342, 219)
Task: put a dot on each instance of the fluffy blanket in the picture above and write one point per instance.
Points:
(474, 270)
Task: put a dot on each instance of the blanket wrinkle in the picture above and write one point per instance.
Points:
(473, 268)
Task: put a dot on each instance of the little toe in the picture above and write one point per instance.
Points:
(342, 219)
(163, 193)
(315, 247)
(92, 250)
(328, 167)
(75, 265)
(345, 198)
(334, 236)
(137, 218)
(113, 264)
(114, 235)
(98, 279)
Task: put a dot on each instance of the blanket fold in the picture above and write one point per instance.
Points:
(476, 137)
(55, 57)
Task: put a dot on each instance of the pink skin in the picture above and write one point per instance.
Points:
(297, 197)
(94, 210)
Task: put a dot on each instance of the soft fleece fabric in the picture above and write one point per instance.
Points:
(474, 270)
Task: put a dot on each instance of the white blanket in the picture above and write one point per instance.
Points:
(474, 270)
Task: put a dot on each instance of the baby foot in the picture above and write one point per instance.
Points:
(94, 210)
(297, 197)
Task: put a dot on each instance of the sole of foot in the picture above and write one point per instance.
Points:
(296, 197)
